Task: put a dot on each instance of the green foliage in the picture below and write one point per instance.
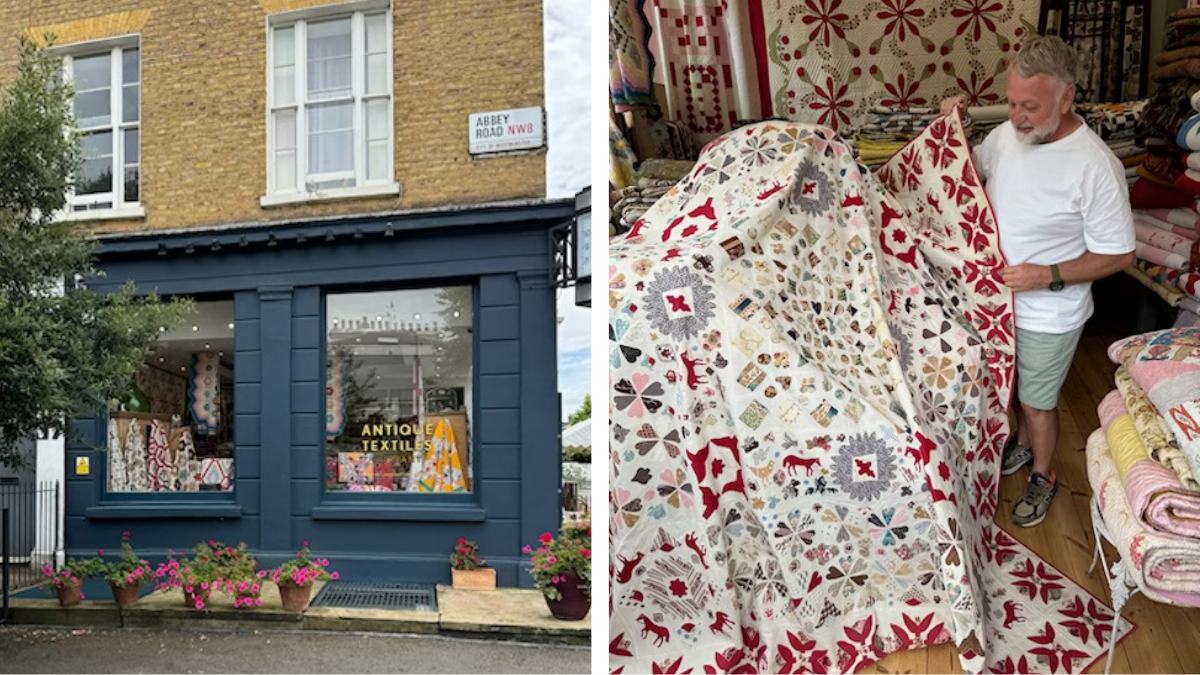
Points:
(556, 556)
(60, 354)
(584, 412)
(577, 453)
(466, 556)
(129, 569)
(76, 571)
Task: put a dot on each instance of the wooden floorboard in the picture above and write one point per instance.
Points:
(1167, 639)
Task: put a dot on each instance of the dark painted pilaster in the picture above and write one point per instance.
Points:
(275, 304)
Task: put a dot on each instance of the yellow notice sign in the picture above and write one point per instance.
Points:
(82, 467)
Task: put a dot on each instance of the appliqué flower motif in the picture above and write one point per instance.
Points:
(864, 467)
(813, 192)
(686, 325)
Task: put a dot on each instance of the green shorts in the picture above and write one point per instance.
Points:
(1043, 360)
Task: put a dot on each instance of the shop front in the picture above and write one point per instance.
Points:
(376, 386)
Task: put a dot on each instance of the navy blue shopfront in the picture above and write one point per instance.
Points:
(278, 278)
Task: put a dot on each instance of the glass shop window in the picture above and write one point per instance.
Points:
(398, 391)
(175, 431)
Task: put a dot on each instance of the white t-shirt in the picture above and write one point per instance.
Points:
(1053, 203)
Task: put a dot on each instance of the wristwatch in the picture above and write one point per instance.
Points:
(1056, 282)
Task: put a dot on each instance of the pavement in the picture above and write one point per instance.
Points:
(25, 649)
(508, 614)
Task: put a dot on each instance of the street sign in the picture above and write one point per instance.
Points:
(505, 131)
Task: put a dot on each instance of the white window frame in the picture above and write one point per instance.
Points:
(305, 190)
(121, 208)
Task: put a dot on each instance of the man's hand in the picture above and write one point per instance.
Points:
(949, 104)
(1026, 277)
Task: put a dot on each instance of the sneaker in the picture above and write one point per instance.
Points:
(1039, 494)
(1015, 456)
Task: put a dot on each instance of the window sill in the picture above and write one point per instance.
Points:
(368, 511)
(130, 212)
(388, 190)
(145, 510)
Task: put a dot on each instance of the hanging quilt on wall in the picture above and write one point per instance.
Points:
(810, 366)
(204, 392)
(438, 468)
(830, 61)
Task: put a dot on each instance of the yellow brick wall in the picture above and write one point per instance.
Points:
(204, 92)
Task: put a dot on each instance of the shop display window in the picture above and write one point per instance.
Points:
(399, 370)
(174, 433)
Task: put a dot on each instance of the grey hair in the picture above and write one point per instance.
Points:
(1048, 55)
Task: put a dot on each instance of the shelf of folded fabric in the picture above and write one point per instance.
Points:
(653, 179)
(1166, 246)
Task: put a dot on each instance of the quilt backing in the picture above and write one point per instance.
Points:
(810, 366)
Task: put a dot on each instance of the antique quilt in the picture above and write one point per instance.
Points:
(810, 366)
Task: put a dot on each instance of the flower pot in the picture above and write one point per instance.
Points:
(189, 598)
(575, 602)
(69, 594)
(295, 598)
(482, 579)
(126, 596)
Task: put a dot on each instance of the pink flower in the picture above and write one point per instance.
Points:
(100, 552)
(333, 575)
(546, 538)
(304, 543)
(82, 596)
(254, 588)
(48, 572)
(527, 549)
(199, 604)
(585, 553)
(552, 560)
(125, 534)
(461, 541)
(258, 602)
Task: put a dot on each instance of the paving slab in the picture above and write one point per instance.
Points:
(346, 619)
(509, 613)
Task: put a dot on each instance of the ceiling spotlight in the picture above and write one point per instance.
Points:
(195, 328)
(182, 368)
(207, 346)
(456, 313)
(161, 360)
(162, 329)
(358, 339)
(378, 318)
(220, 353)
(417, 316)
(230, 325)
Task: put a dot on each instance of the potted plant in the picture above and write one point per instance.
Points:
(127, 574)
(468, 570)
(562, 570)
(296, 576)
(68, 582)
(240, 576)
(197, 575)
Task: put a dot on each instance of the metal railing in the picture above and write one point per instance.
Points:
(29, 536)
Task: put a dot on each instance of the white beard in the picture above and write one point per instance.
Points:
(1039, 135)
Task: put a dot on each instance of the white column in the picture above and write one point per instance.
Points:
(51, 470)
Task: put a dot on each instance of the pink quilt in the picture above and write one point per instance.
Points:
(1166, 569)
(809, 371)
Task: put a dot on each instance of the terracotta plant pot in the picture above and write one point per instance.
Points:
(189, 599)
(69, 594)
(575, 602)
(295, 598)
(482, 579)
(125, 597)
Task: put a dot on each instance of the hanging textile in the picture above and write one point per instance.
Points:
(118, 480)
(335, 396)
(185, 466)
(706, 53)
(830, 61)
(439, 468)
(1109, 37)
(630, 64)
(136, 469)
(810, 366)
(204, 392)
(159, 458)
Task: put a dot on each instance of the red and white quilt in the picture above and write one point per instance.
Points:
(810, 366)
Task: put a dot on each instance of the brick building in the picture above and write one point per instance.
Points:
(371, 364)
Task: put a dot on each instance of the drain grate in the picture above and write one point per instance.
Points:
(410, 597)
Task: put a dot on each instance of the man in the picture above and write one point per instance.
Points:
(1062, 206)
